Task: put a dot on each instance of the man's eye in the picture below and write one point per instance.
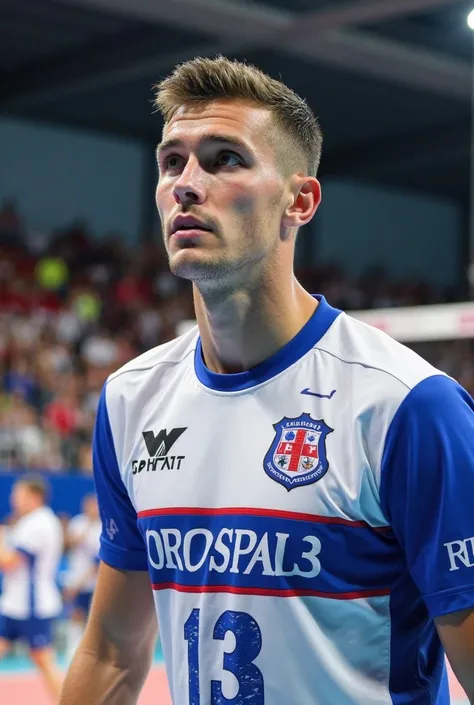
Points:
(173, 162)
(228, 159)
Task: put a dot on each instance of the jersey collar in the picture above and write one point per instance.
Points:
(308, 336)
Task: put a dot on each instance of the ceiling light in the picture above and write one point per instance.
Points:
(470, 19)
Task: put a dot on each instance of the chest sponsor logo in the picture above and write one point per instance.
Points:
(158, 448)
(297, 455)
(276, 553)
(232, 551)
(460, 553)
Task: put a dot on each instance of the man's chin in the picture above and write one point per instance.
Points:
(195, 265)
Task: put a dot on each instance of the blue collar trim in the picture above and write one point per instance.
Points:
(308, 336)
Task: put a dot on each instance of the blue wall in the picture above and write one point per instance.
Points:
(411, 234)
(66, 492)
(58, 175)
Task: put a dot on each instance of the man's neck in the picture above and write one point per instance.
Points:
(32, 509)
(241, 328)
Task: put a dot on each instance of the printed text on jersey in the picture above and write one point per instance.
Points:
(266, 552)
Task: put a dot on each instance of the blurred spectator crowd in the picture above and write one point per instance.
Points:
(74, 308)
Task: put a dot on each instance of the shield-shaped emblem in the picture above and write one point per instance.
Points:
(297, 455)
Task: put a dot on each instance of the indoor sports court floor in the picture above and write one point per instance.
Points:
(20, 686)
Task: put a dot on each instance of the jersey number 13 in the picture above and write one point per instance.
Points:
(239, 662)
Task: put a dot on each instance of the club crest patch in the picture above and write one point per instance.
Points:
(297, 455)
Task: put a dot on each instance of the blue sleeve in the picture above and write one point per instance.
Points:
(427, 491)
(30, 557)
(121, 544)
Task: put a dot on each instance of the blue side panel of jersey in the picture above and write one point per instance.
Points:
(427, 485)
(30, 559)
(121, 544)
(417, 665)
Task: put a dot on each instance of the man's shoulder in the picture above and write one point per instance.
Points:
(77, 523)
(167, 355)
(47, 517)
(367, 349)
(36, 517)
(37, 523)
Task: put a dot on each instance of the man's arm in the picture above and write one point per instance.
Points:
(456, 632)
(10, 559)
(426, 489)
(116, 652)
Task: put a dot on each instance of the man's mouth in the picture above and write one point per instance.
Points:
(186, 226)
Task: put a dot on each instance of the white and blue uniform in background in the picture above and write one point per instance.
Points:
(302, 522)
(82, 557)
(31, 599)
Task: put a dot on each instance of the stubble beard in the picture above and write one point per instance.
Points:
(213, 272)
(220, 269)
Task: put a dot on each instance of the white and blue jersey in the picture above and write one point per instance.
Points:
(83, 556)
(30, 591)
(302, 522)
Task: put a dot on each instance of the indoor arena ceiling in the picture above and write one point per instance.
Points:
(391, 80)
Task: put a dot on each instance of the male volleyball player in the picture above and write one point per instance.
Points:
(296, 486)
(83, 536)
(29, 560)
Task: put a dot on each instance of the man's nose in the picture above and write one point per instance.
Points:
(190, 188)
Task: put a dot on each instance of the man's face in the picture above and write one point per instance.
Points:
(22, 499)
(218, 165)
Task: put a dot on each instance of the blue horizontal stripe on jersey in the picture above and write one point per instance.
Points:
(271, 555)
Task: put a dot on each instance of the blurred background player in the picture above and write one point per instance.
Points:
(82, 543)
(29, 559)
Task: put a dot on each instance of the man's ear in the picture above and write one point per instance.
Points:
(303, 202)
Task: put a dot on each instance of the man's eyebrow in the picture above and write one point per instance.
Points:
(166, 145)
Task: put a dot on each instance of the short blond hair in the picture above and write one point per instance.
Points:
(203, 80)
(36, 484)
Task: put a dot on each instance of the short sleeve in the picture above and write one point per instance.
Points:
(121, 544)
(427, 491)
(28, 541)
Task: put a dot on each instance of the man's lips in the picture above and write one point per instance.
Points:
(188, 238)
(188, 224)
